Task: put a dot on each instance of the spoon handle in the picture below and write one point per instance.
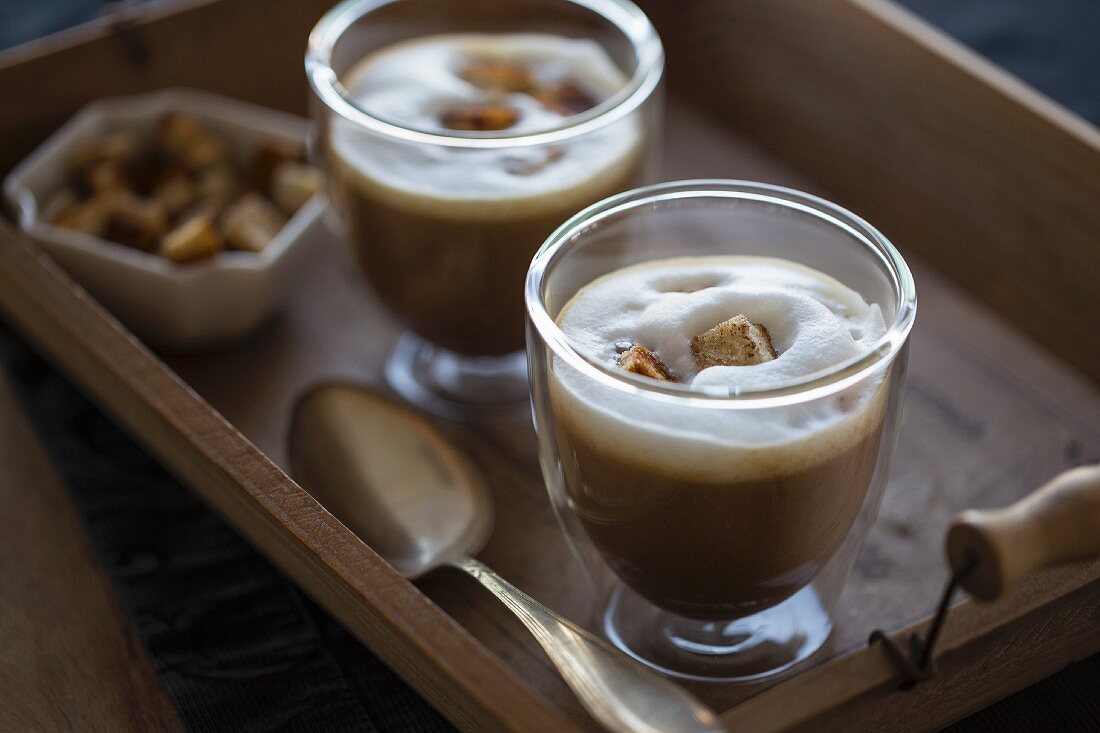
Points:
(624, 695)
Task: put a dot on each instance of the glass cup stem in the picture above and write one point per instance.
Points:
(458, 386)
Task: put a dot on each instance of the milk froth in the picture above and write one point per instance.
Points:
(815, 323)
(413, 82)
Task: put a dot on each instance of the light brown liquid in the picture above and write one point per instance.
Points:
(445, 236)
(453, 279)
(714, 549)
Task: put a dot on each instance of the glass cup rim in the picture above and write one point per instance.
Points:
(810, 387)
(623, 14)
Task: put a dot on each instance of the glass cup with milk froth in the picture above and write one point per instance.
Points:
(719, 519)
(448, 168)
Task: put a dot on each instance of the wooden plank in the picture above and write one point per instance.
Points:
(434, 654)
(989, 413)
(989, 416)
(986, 653)
(244, 48)
(72, 659)
(956, 161)
(343, 335)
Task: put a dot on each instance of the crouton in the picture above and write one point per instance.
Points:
(640, 360)
(217, 186)
(117, 146)
(175, 192)
(736, 342)
(184, 138)
(565, 97)
(89, 217)
(293, 184)
(106, 175)
(268, 156)
(193, 239)
(132, 220)
(499, 75)
(480, 117)
(251, 223)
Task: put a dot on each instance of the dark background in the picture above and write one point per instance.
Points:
(237, 646)
(1054, 45)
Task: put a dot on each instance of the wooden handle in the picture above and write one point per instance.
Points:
(1059, 522)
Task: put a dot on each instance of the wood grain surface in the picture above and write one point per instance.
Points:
(955, 160)
(990, 412)
(988, 417)
(71, 658)
(472, 686)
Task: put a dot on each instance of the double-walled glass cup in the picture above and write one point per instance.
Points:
(727, 550)
(444, 221)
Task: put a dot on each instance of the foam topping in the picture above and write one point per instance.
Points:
(416, 83)
(815, 323)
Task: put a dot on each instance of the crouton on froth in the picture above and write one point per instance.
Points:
(499, 75)
(736, 342)
(640, 360)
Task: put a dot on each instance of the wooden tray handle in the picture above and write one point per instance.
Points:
(1059, 522)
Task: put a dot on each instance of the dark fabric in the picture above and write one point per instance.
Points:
(240, 648)
(25, 20)
(1068, 701)
(1054, 45)
(235, 644)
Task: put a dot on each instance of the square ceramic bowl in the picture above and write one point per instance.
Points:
(177, 306)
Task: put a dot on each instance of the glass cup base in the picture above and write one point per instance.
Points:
(744, 650)
(458, 386)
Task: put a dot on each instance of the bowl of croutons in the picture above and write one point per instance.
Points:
(185, 213)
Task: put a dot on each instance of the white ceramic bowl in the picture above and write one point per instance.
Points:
(178, 306)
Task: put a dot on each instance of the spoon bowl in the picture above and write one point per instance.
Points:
(390, 476)
(396, 481)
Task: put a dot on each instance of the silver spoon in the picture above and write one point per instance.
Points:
(408, 492)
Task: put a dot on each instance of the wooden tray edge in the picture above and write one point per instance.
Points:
(438, 657)
(48, 331)
(425, 646)
(937, 43)
(1048, 623)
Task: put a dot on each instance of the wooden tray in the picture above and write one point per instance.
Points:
(987, 188)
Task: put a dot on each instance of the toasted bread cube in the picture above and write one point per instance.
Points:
(132, 220)
(293, 184)
(185, 139)
(480, 117)
(118, 146)
(565, 97)
(499, 75)
(194, 239)
(640, 360)
(106, 175)
(175, 192)
(205, 152)
(217, 185)
(270, 154)
(175, 129)
(251, 223)
(89, 216)
(736, 342)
